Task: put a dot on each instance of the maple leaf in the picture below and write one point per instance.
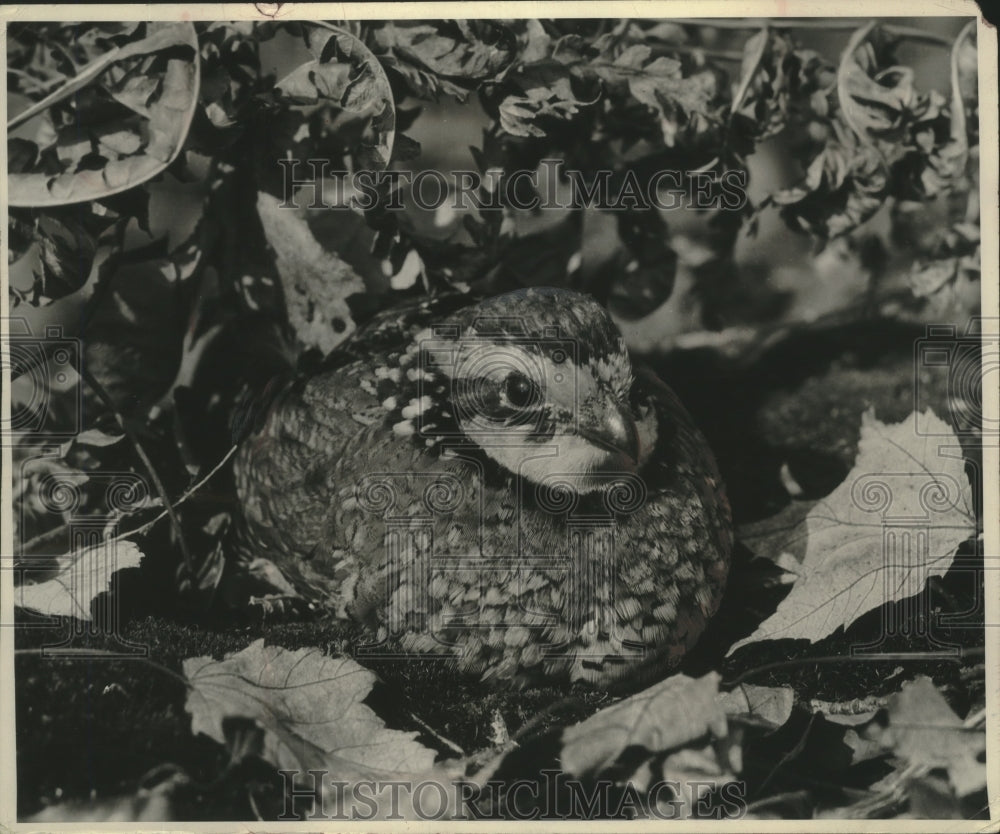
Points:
(856, 556)
(80, 579)
(664, 717)
(309, 706)
(924, 730)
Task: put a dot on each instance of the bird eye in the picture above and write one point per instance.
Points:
(520, 391)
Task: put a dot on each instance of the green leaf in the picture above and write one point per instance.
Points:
(165, 113)
(874, 98)
(346, 73)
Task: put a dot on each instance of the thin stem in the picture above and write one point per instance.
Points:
(98, 389)
(138, 531)
(779, 798)
(964, 654)
(57, 532)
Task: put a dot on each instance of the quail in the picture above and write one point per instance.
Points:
(493, 482)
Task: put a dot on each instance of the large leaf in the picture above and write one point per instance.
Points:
(309, 707)
(129, 115)
(665, 717)
(925, 731)
(901, 489)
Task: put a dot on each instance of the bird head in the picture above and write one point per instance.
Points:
(540, 380)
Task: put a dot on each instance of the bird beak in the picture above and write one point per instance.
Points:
(615, 431)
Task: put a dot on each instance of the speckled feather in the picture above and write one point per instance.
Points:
(330, 479)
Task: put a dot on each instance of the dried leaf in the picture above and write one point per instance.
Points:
(924, 730)
(767, 706)
(153, 804)
(81, 578)
(664, 717)
(900, 490)
(782, 537)
(309, 707)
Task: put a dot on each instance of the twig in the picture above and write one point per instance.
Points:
(964, 654)
(98, 389)
(800, 745)
(427, 728)
(778, 799)
(57, 532)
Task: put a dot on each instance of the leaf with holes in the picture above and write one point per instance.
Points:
(316, 282)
